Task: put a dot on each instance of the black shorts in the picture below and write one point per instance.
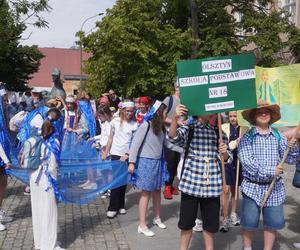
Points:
(210, 212)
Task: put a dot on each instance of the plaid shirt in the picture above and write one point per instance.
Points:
(202, 172)
(259, 157)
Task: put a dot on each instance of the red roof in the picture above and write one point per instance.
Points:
(67, 60)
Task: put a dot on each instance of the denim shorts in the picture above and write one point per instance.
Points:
(273, 217)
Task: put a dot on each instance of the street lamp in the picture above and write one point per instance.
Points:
(80, 43)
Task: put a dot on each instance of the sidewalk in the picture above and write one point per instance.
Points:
(87, 228)
(169, 239)
(80, 227)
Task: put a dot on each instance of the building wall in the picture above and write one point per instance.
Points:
(293, 6)
(71, 86)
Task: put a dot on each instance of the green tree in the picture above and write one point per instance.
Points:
(137, 44)
(268, 31)
(135, 52)
(18, 62)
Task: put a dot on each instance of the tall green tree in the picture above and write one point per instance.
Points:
(134, 51)
(137, 44)
(18, 62)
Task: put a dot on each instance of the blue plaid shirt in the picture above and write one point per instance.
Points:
(201, 175)
(259, 157)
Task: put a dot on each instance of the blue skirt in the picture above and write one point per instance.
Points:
(149, 174)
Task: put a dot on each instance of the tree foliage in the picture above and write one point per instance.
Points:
(134, 51)
(137, 44)
(18, 62)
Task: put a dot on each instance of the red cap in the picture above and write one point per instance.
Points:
(144, 99)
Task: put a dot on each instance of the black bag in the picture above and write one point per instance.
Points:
(296, 179)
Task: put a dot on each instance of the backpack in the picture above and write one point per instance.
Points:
(275, 132)
(33, 154)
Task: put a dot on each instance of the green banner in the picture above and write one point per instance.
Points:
(217, 84)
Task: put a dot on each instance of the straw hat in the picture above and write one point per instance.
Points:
(53, 103)
(249, 115)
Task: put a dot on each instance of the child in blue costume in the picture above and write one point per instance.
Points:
(43, 187)
(4, 155)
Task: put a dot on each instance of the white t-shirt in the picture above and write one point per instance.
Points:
(37, 122)
(105, 131)
(122, 136)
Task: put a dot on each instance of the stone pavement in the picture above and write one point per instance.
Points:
(86, 227)
(80, 227)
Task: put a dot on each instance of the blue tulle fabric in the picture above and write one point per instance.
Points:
(87, 111)
(5, 138)
(77, 160)
(150, 114)
(26, 131)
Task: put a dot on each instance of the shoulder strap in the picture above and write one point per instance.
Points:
(251, 134)
(275, 132)
(170, 103)
(142, 144)
(277, 135)
(188, 143)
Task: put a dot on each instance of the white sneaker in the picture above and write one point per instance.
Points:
(59, 248)
(225, 226)
(122, 211)
(234, 219)
(111, 214)
(297, 245)
(145, 231)
(91, 186)
(157, 221)
(4, 217)
(198, 226)
(84, 184)
(2, 227)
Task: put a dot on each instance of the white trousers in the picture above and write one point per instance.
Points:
(44, 213)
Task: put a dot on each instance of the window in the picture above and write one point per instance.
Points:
(290, 6)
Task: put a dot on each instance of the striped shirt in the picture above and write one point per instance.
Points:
(202, 172)
(259, 157)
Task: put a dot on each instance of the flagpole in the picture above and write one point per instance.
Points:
(224, 200)
(237, 171)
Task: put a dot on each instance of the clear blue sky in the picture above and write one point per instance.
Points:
(65, 19)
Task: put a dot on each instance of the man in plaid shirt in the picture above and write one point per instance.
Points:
(260, 152)
(201, 181)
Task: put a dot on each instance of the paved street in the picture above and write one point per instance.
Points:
(86, 227)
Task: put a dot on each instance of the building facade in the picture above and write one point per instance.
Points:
(67, 61)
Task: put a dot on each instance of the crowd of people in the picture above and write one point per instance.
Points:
(159, 141)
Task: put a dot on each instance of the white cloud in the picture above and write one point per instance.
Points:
(65, 19)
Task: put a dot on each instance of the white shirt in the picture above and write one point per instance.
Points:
(105, 131)
(3, 155)
(15, 123)
(121, 136)
(37, 122)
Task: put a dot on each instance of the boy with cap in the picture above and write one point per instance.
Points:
(260, 151)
